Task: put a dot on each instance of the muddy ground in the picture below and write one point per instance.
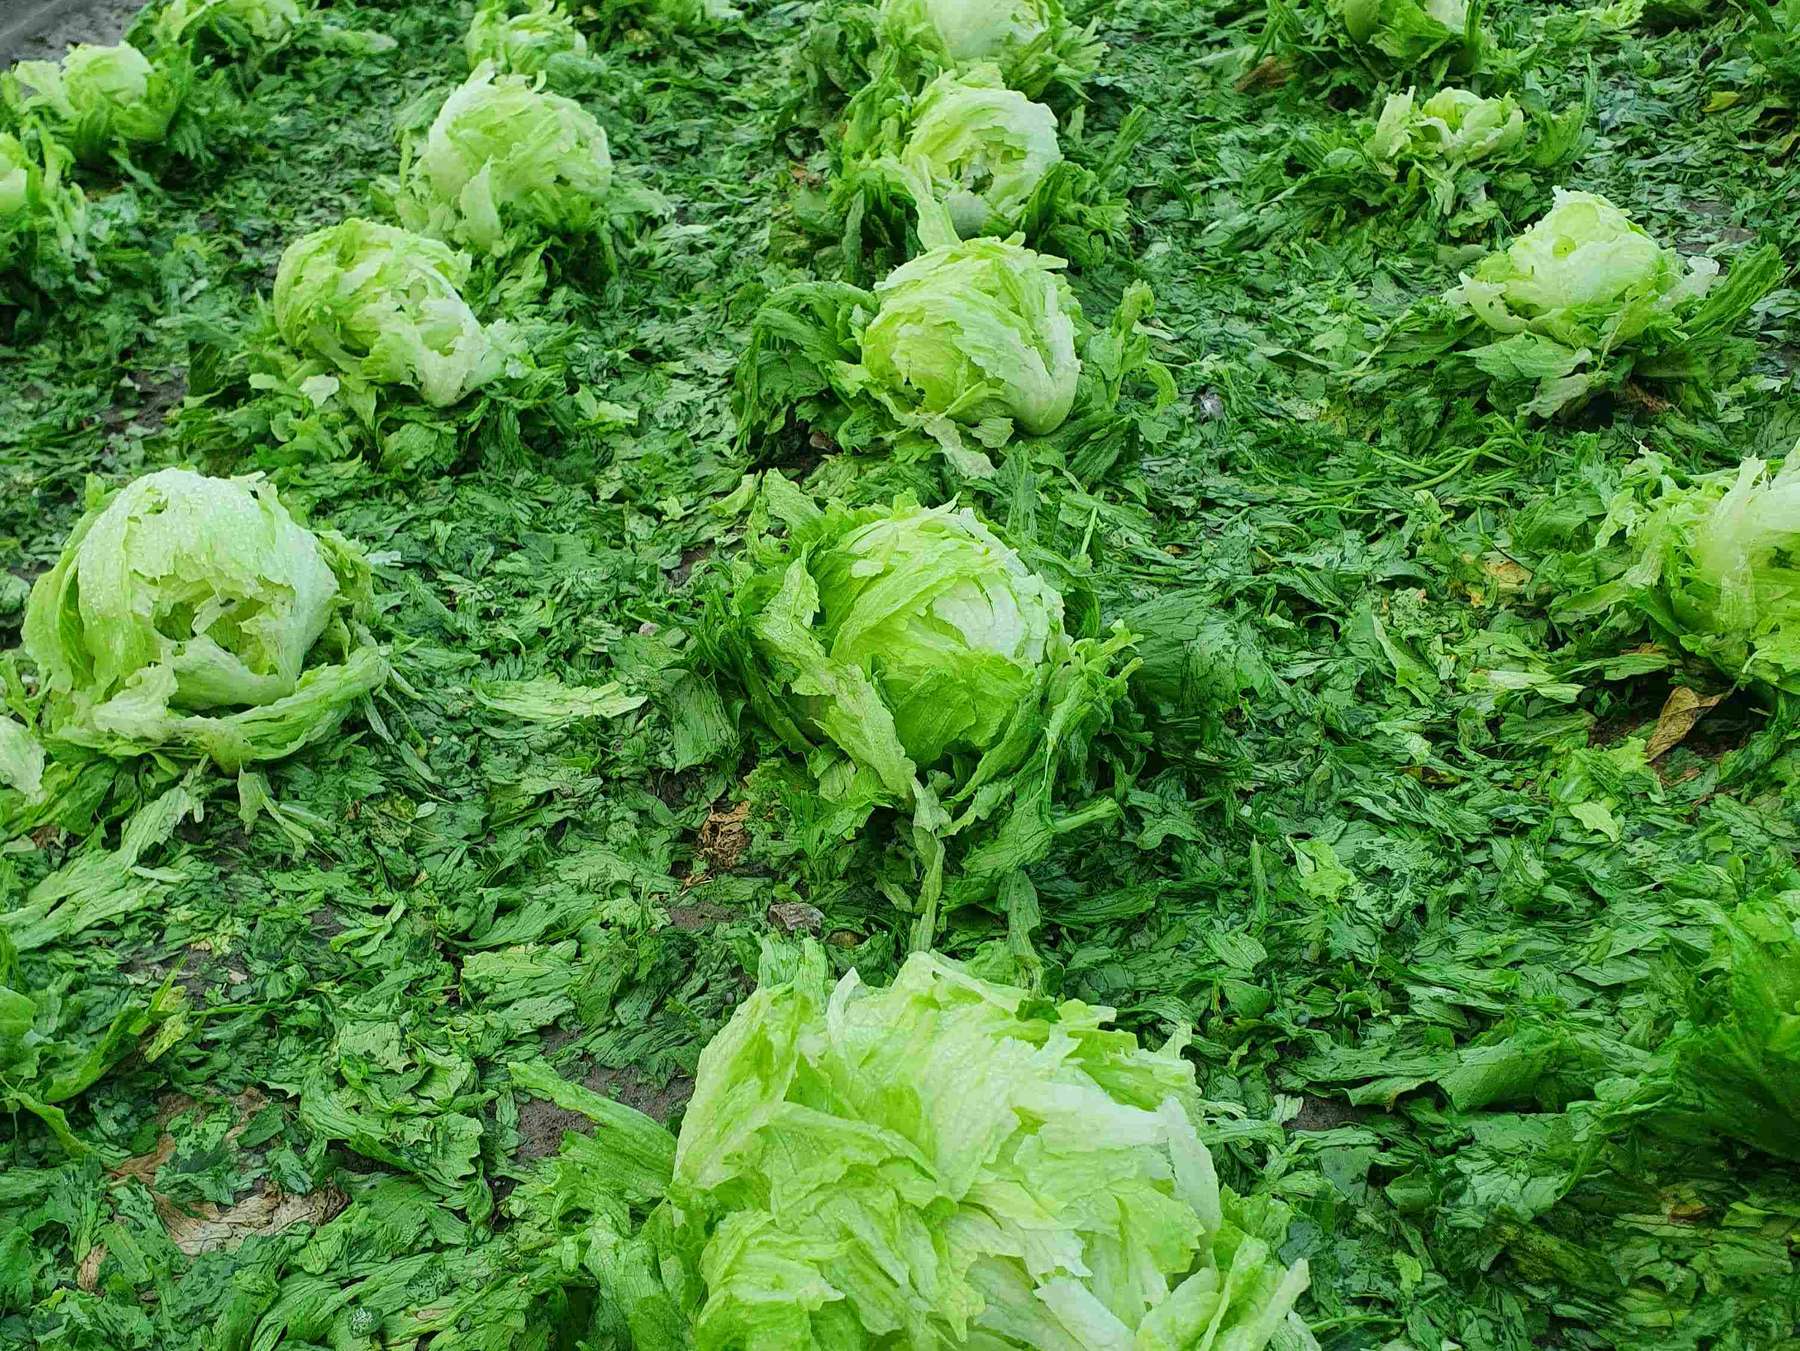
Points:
(43, 28)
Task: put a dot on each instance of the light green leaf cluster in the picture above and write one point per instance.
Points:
(505, 155)
(1740, 1060)
(194, 616)
(103, 98)
(522, 36)
(383, 305)
(21, 759)
(982, 148)
(1452, 125)
(1407, 31)
(1716, 566)
(951, 1162)
(42, 217)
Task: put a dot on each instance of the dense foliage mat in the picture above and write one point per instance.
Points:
(1385, 647)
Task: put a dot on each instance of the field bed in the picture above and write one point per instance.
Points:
(611, 737)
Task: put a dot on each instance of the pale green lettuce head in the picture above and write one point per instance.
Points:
(1585, 274)
(1408, 31)
(951, 624)
(262, 20)
(982, 147)
(383, 305)
(903, 635)
(1719, 570)
(951, 1162)
(195, 615)
(41, 217)
(103, 96)
(503, 154)
(1031, 41)
(19, 180)
(522, 36)
(976, 332)
(1453, 124)
(971, 30)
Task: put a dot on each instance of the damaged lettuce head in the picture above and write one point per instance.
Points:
(952, 1162)
(904, 636)
(257, 21)
(383, 306)
(1585, 273)
(1406, 31)
(193, 616)
(1586, 298)
(42, 217)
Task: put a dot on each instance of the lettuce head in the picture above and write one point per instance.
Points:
(1031, 42)
(1585, 274)
(982, 148)
(522, 36)
(952, 1162)
(1452, 125)
(194, 616)
(913, 660)
(1713, 564)
(104, 98)
(1406, 31)
(980, 332)
(942, 636)
(1585, 298)
(42, 218)
(384, 305)
(258, 21)
(955, 351)
(506, 156)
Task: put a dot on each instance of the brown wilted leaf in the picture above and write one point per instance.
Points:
(268, 1211)
(265, 1212)
(142, 1167)
(796, 917)
(1269, 73)
(1680, 711)
(723, 838)
(1653, 403)
(87, 1276)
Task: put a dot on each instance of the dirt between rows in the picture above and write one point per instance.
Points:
(34, 29)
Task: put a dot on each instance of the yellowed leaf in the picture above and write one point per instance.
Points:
(1680, 711)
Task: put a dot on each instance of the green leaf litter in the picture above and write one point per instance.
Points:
(1443, 817)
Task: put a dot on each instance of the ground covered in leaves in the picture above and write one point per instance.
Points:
(1418, 877)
